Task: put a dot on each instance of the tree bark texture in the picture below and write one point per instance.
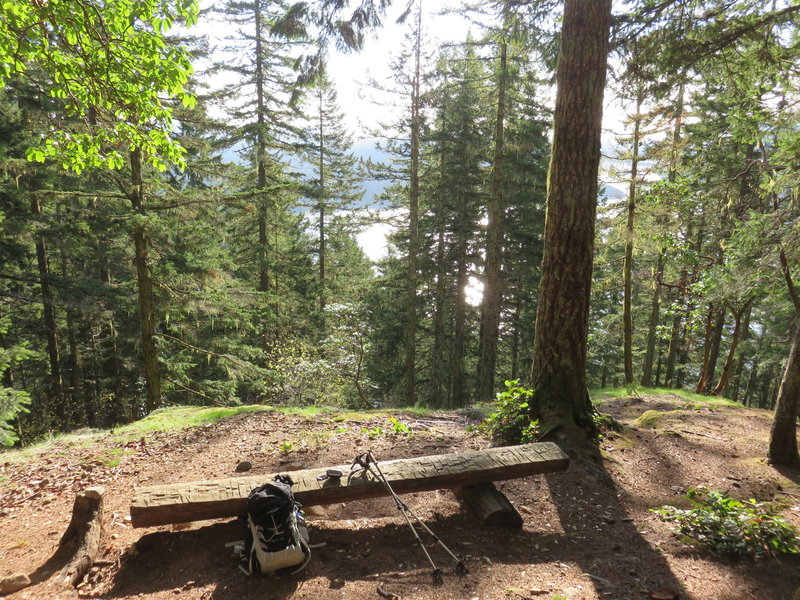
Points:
(493, 290)
(783, 437)
(562, 318)
(144, 280)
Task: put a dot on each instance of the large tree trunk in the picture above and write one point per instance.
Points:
(783, 438)
(493, 290)
(321, 208)
(627, 316)
(558, 374)
(413, 227)
(144, 280)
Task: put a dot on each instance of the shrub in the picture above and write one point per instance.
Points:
(511, 422)
(731, 527)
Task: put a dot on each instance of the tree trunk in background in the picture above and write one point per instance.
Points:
(652, 323)
(56, 391)
(701, 383)
(627, 316)
(439, 382)
(558, 374)
(672, 351)
(74, 368)
(713, 338)
(493, 279)
(458, 387)
(652, 326)
(413, 226)
(515, 340)
(716, 342)
(736, 378)
(261, 173)
(144, 280)
(726, 370)
(321, 210)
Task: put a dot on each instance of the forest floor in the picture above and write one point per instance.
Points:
(582, 538)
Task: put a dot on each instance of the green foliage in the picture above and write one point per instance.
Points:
(511, 420)
(374, 433)
(286, 446)
(109, 60)
(180, 417)
(397, 427)
(732, 527)
(12, 401)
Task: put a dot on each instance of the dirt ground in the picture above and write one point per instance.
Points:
(582, 539)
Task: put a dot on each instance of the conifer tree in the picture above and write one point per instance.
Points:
(336, 185)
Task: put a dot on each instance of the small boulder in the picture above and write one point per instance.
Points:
(14, 583)
(243, 466)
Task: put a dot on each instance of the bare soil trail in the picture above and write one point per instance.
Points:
(581, 540)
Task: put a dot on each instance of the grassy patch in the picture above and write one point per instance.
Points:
(181, 417)
(597, 395)
(163, 419)
(652, 418)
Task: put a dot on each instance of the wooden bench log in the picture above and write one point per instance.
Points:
(489, 505)
(196, 501)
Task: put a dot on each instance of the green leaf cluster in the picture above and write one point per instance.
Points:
(12, 402)
(112, 69)
(511, 420)
(732, 527)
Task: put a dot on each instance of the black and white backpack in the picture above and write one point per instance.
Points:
(276, 537)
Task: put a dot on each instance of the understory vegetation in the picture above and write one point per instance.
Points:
(731, 527)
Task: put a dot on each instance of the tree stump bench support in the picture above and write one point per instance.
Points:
(467, 473)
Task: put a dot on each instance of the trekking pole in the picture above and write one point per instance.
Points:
(368, 461)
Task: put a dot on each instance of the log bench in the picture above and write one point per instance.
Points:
(468, 474)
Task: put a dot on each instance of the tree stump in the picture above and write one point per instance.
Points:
(82, 538)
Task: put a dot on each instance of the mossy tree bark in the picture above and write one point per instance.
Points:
(561, 398)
